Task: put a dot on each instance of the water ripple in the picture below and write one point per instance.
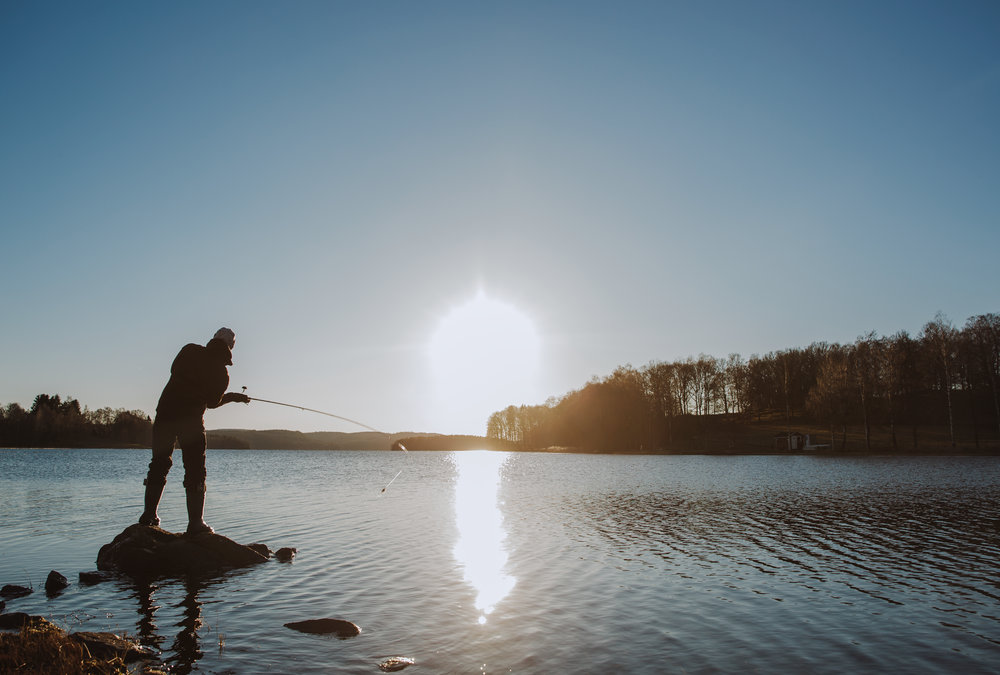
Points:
(621, 564)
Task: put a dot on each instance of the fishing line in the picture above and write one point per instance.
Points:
(394, 477)
(345, 419)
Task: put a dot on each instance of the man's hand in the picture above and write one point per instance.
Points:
(233, 397)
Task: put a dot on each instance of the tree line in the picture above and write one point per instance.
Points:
(54, 422)
(945, 380)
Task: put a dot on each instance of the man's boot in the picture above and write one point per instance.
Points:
(196, 510)
(154, 490)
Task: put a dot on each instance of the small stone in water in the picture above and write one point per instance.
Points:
(395, 663)
(55, 583)
(285, 554)
(14, 591)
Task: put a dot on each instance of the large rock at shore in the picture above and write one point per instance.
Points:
(18, 620)
(145, 551)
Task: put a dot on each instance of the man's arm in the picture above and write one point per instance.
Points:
(234, 397)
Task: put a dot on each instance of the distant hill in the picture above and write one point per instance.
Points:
(282, 439)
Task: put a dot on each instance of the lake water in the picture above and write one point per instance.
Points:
(531, 563)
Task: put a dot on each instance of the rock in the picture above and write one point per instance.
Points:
(285, 554)
(14, 591)
(18, 620)
(91, 578)
(109, 645)
(13, 620)
(144, 551)
(395, 663)
(338, 627)
(3, 603)
(55, 583)
(261, 548)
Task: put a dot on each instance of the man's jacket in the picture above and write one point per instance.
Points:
(198, 379)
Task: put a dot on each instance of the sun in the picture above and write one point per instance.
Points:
(484, 356)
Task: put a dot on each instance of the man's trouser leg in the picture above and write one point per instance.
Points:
(156, 478)
(193, 447)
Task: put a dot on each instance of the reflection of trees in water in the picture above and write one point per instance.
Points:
(185, 650)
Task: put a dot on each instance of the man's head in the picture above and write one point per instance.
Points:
(227, 336)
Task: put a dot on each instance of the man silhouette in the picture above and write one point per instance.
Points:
(198, 380)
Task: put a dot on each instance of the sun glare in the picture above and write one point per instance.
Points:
(481, 548)
(484, 356)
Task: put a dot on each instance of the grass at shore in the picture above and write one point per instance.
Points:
(42, 648)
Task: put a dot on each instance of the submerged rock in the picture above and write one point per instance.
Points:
(142, 550)
(91, 578)
(395, 663)
(285, 554)
(55, 583)
(109, 645)
(261, 548)
(14, 591)
(338, 627)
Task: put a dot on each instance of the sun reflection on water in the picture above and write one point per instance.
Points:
(480, 546)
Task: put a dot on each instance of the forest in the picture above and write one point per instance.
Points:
(53, 422)
(936, 391)
(933, 392)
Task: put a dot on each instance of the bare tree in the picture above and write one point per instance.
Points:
(831, 397)
(940, 338)
(984, 335)
(865, 364)
(658, 380)
(735, 386)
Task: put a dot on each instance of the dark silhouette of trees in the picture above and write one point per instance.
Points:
(54, 422)
(944, 379)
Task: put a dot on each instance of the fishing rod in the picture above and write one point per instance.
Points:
(300, 407)
(339, 417)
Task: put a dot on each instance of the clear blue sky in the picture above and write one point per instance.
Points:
(639, 181)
